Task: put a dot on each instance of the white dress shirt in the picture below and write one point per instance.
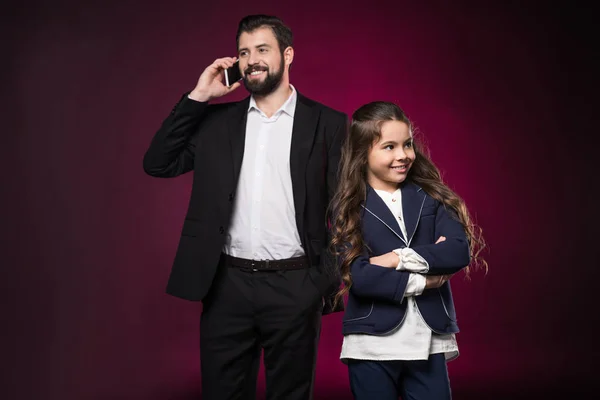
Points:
(413, 340)
(263, 224)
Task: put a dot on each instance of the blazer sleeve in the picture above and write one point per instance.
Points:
(171, 152)
(334, 151)
(376, 282)
(449, 256)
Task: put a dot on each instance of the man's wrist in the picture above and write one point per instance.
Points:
(198, 96)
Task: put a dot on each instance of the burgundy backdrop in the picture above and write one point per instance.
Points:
(499, 93)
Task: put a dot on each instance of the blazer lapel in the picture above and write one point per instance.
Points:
(413, 199)
(237, 118)
(377, 207)
(306, 118)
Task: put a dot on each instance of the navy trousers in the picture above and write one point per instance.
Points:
(411, 380)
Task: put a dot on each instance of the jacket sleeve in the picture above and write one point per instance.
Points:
(171, 152)
(334, 150)
(449, 256)
(376, 282)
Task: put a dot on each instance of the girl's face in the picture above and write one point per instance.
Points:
(390, 157)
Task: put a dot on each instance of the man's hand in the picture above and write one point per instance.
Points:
(210, 84)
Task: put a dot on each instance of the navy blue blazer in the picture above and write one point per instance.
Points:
(376, 303)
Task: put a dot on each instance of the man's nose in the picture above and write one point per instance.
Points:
(252, 59)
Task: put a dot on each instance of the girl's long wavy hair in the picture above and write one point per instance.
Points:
(365, 130)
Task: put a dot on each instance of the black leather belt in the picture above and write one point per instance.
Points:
(266, 265)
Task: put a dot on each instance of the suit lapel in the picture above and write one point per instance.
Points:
(306, 118)
(377, 207)
(237, 119)
(413, 199)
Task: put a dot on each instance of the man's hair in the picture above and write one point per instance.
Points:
(282, 32)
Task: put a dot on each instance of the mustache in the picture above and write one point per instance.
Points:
(253, 68)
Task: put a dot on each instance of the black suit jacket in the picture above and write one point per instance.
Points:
(209, 139)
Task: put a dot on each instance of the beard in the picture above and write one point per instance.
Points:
(268, 85)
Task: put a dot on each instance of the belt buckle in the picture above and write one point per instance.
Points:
(267, 264)
(252, 265)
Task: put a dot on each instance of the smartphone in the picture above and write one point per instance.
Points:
(233, 74)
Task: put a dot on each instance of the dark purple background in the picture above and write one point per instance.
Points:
(501, 94)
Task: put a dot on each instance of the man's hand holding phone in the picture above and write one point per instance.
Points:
(210, 84)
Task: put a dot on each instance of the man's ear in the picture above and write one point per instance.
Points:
(288, 55)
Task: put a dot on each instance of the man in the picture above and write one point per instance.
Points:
(253, 244)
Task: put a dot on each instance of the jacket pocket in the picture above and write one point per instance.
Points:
(452, 318)
(360, 313)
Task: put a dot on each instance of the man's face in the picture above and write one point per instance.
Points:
(261, 61)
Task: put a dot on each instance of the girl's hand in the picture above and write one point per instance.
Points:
(391, 259)
(436, 281)
(387, 260)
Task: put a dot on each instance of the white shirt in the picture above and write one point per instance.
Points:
(413, 340)
(263, 224)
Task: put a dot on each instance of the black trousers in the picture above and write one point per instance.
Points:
(246, 311)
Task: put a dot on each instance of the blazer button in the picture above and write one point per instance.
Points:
(230, 196)
(221, 230)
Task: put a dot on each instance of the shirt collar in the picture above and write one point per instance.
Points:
(387, 195)
(289, 107)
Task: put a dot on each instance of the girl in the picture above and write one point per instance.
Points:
(402, 233)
